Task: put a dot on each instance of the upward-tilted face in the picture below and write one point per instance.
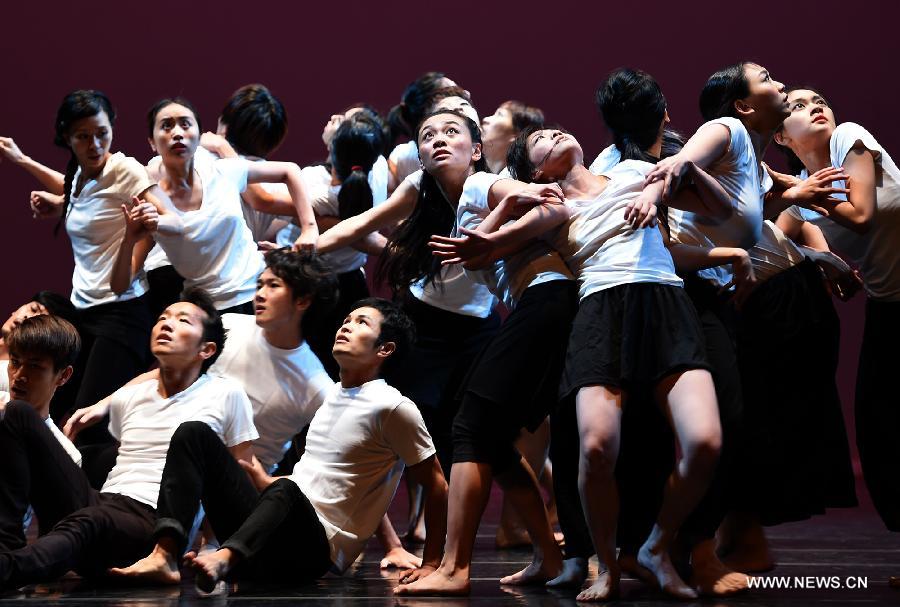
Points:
(811, 121)
(553, 153)
(176, 133)
(767, 96)
(90, 139)
(355, 341)
(177, 336)
(497, 130)
(445, 144)
(27, 310)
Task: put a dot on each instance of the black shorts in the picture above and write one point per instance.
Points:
(631, 336)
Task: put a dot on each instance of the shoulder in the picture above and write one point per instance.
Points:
(606, 160)
(476, 188)
(849, 135)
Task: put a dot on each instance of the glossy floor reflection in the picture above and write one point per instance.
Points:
(848, 547)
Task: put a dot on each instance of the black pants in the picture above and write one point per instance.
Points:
(277, 533)
(81, 528)
(878, 409)
(565, 448)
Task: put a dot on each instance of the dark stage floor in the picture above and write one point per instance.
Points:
(847, 547)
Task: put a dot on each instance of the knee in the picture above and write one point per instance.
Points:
(191, 433)
(704, 451)
(598, 454)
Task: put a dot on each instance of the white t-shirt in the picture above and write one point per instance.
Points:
(356, 448)
(507, 278)
(606, 160)
(143, 422)
(455, 290)
(96, 227)
(406, 158)
(876, 252)
(602, 248)
(285, 387)
(324, 199)
(4, 375)
(216, 251)
(773, 253)
(742, 176)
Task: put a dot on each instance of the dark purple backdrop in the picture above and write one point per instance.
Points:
(319, 58)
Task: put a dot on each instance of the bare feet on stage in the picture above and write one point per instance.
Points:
(658, 563)
(540, 571)
(210, 568)
(710, 576)
(574, 573)
(160, 567)
(605, 588)
(441, 582)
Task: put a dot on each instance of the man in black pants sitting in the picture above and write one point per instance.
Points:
(94, 530)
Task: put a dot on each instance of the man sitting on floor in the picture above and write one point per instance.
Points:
(95, 530)
(319, 518)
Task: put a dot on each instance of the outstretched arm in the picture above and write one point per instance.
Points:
(49, 178)
(289, 174)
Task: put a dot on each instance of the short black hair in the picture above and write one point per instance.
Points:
(306, 276)
(396, 327)
(213, 329)
(256, 119)
(46, 335)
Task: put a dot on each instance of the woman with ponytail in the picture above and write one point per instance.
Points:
(89, 200)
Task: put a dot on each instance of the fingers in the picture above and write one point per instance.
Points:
(265, 245)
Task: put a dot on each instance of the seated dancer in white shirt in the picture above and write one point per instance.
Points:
(95, 530)
(356, 448)
(42, 350)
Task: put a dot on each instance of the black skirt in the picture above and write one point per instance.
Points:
(522, 365)
(795, 460)
(631, 336)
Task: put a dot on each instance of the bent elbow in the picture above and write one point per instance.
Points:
(861, 224)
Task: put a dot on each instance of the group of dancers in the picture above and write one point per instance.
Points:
(231, 398)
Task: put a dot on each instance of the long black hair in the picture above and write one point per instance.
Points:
(75, 106)
(414, 103)
(357, 144)
(633, 108)
(407, 258)
(722, 89)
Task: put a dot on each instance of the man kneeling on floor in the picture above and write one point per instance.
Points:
(95, 530)
(319, 518)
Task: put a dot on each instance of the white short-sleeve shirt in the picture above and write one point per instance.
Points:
(285, 387)
(876, 253)
(741, 175)
(602, 249)
(324, 199)
(406, 158)
(356, 448)
(606, 160)
(216, 251)
(143, 422)
(96, 227)
(507, 278)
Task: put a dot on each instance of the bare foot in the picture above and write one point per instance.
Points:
(660, 565)
(540, 571)
(438, 583)
(712, 578)
(210, 568)
(159, 567)
(750, 560)
(743, 545)
(509, 538)
(574, 573)
(894, 581)
(628, 563)
(605, 588)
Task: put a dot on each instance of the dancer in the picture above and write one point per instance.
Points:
(91, 530)
(628, 281)
(499, 130)
(743, 106)
(42, 350)
(114, 322)
(337, 493)
(208, 206)
(863, 224)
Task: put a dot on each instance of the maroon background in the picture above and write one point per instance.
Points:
(319, 58)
